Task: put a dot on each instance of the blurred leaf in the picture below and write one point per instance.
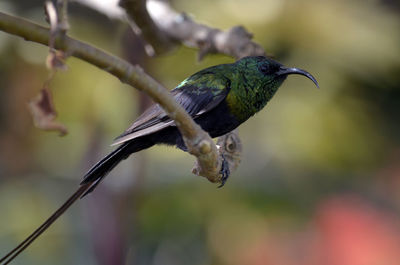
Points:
(44, 114)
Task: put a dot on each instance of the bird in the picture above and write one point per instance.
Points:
(218, 98)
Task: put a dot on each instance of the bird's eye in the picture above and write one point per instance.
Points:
(265, 69)
(268, 68)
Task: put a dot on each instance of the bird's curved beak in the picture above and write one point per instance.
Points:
(288, 71)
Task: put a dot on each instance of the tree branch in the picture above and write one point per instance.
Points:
(198, 142)
(144, 25)
(179, 27)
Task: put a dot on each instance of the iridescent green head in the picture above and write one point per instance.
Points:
(272, 72)
(257, 79)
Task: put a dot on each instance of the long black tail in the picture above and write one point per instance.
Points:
(89, 183)
(101, 169)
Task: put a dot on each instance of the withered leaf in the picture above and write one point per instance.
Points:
(44, 114)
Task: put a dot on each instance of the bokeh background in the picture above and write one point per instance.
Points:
(319, 181)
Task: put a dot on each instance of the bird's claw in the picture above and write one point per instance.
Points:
(225, 172)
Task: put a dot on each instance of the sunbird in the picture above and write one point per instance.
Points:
(218, 98)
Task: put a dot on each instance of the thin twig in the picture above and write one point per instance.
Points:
(144, 25)
(179, 27)
(62, 7)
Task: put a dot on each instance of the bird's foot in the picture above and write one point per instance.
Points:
(225, 172)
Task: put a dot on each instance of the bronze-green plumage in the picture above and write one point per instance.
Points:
(219, 99)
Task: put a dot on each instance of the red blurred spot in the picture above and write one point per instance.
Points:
(352, 232)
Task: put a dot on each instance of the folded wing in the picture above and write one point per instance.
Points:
(197, 95)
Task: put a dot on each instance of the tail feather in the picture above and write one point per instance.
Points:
(90, 181)
(105, 165)
(101, 169)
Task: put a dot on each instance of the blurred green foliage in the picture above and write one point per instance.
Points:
(320, 171)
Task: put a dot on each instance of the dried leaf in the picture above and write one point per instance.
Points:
(56, 60)
(44, 114)
(230, 146)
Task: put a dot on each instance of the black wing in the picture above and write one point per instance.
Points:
(198, 94)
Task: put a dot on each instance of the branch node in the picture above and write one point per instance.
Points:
(204, 147)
